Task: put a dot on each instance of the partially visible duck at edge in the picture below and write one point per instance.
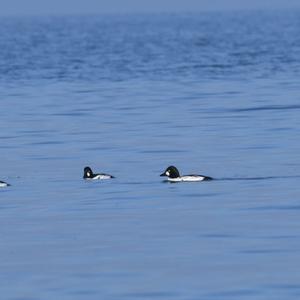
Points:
(3, 184)
(173, 176)
(89, 175)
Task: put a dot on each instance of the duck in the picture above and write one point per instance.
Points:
(90, 175)
(3, 184)
(173, 176)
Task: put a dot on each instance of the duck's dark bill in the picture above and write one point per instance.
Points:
(163, 174)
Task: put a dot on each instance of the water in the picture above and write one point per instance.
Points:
(216, 94)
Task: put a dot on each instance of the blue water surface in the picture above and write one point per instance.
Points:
(214, 93)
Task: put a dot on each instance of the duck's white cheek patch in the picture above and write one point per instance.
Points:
(168, 173)
(88, 174)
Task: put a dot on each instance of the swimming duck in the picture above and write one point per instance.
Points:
(3, 184)
(173, 175)
(89, 175)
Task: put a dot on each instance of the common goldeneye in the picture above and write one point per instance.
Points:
(173, 175)
(89, 175)
(3, 184)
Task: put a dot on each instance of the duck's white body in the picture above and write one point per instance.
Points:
(99, 177)
(188, 178)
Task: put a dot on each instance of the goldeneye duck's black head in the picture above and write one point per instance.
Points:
(171, 172)
(88, 173)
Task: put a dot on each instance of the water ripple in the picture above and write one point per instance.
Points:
(257, 178)
(266, 108)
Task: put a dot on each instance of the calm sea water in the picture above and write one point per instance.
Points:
(216, 94)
